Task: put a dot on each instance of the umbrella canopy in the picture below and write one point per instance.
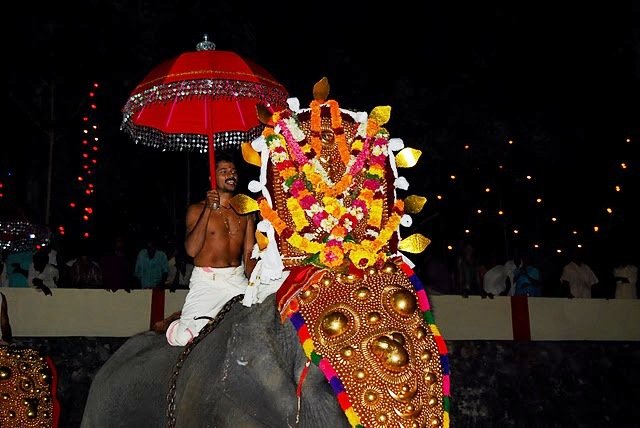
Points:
(201, 101)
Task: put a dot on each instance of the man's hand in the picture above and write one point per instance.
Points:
(213, 199)
(39, 284)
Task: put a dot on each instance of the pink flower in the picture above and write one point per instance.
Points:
(296, 187)
(334, 242)
(318, 217)
(371, 184)
(307, 202)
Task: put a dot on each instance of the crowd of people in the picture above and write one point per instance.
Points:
(527, 272)
(80, 265)
(162, 263)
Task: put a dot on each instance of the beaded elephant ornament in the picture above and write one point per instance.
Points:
(330, 232)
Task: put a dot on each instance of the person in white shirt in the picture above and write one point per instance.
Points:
(578, 277)
(625, 275)
(44, 276)
(494, 281)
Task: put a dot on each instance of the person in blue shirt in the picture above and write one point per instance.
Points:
(527, 278)
(152, 266)
(18, 268)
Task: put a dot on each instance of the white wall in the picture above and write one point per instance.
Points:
(71, 312)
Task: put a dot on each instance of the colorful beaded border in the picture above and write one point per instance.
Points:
(336, 384)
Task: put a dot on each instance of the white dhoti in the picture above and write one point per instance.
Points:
(209, 290)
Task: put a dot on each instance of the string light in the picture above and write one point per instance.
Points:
(89, 161)
(506, 191)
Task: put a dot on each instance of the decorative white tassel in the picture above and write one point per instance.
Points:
(294, 104)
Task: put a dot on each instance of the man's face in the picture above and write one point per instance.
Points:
(226, 176)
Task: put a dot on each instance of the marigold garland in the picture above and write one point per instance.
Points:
(314, 200)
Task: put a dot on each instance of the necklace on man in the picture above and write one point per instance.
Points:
(225, 218)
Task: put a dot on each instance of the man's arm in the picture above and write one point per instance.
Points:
(5, 325)
(249, 242)
(197, 219)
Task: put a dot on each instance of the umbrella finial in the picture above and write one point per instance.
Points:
(206, 44)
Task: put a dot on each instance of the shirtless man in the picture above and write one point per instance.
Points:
(220, 241)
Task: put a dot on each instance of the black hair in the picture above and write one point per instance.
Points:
(225, 156)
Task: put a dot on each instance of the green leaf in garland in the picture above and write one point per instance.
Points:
(289, 181)
(314, 259)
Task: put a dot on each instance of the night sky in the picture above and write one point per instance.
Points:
(561, 82)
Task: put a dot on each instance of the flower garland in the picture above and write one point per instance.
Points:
(314, 200)
(336, 127)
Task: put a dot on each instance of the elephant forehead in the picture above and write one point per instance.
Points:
(371, 332)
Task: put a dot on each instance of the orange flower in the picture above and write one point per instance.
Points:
(331, 256)
(339, 231)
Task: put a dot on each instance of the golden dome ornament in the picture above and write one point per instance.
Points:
(415, 243)
(408, 157)
(413, 204)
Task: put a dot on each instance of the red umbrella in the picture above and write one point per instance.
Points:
(201, 101)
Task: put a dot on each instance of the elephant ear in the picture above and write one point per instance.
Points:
(321, 90)
(264, 115)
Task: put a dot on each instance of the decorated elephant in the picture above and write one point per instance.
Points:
(245, 373)
(349, 338)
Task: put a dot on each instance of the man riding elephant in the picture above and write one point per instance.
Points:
(329, 242)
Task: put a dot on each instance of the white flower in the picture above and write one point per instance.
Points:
(279, 157)
(259, 144)
(362, 130)
(377, 150)
(401, 183)
(294, 104)
(255, 186)
(372, 232)
(396, 144)
(264, 226)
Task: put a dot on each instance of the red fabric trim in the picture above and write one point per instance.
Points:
(303, 375)
(442, 346)
(298, 278)
(303, 334)
(406, 269)
(520, 318)
(157, 306)
(54, 388)
(344, 400)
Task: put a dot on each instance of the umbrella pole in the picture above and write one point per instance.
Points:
(212, 162)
